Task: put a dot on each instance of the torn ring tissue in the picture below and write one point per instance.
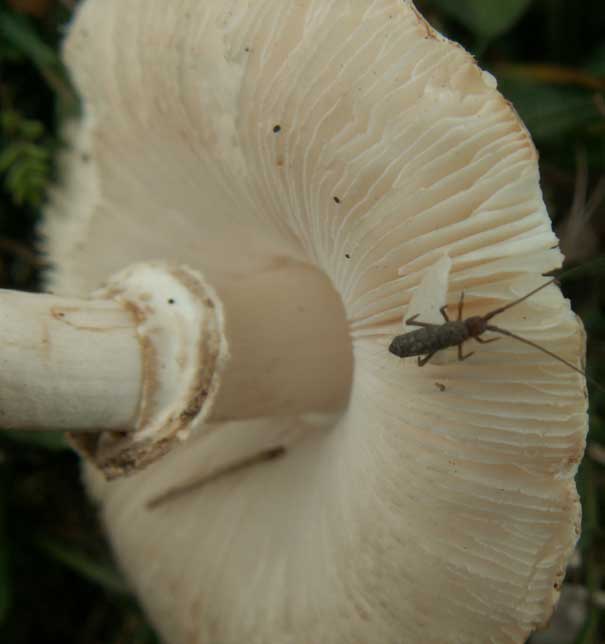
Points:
(429, 296)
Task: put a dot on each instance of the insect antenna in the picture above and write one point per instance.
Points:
(491, 314)
(497, 329)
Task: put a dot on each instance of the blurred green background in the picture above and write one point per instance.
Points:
(57, 579)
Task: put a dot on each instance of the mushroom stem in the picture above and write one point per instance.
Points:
(67, 364)
(289, 345)
(158, 352)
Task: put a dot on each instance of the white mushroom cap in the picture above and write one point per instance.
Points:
(416, 515)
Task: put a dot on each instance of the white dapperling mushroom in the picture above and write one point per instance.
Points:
(260, 190)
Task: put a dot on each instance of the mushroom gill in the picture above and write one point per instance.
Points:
(347, 137)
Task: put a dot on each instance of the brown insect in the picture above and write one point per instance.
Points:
(431, 338)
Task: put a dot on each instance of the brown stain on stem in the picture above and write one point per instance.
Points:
(61, 313)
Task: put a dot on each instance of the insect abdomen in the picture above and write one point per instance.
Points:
(429, 339)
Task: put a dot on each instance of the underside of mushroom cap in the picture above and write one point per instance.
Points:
(440, 505)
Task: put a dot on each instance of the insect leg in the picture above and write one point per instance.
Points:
(420, 324)
(443, 311)
(460, 305)
(460, 356)
(423, 361)
(411, 321)
(485, 341)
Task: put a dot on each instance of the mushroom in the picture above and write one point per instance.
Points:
(254, 196)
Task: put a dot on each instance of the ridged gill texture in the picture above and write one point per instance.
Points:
(440, 506)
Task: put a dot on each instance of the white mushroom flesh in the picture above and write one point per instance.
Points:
(440, 505)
